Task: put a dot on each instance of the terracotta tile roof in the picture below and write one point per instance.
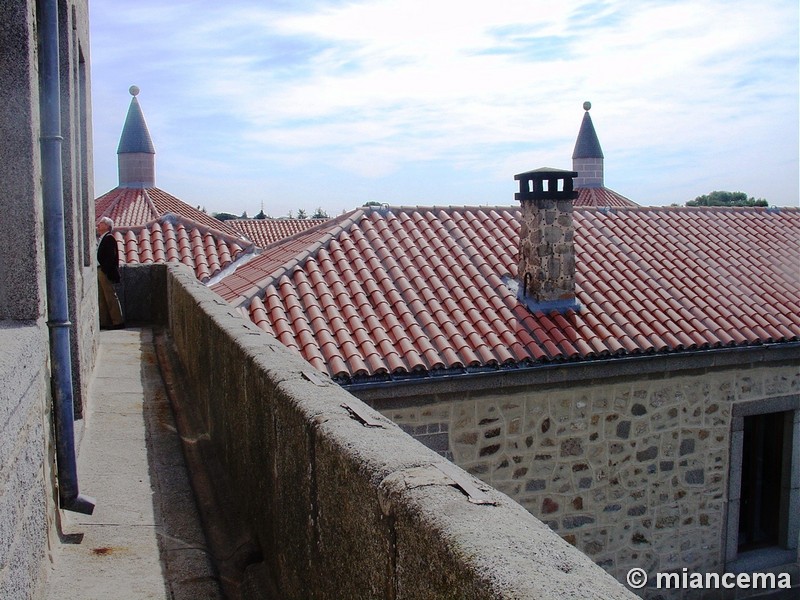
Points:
(133, 207)
(409, 290)
(176, 239)
(152, 226)
(601, 196)
(239, 287)
(268, 231)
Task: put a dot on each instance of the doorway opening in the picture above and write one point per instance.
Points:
(764, 499)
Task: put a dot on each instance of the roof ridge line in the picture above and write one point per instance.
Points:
(174, 198)
(114, 202)
(339, 223)
(174, 217)
(245, 257)
(312, 229)
(459, 207)
(203, 228)
(347, 220)
(150, 202)
(284, 219)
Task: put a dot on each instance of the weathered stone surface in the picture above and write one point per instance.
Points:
(631, 448)
(549, 506)
(572, 447)
(347, 511)
(23, 494)
(648, 454)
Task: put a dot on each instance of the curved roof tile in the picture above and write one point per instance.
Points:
(152, 226)
(601, 196)
(427, 286)
(268, 231)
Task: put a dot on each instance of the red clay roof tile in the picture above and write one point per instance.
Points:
(152, 226)
(409, 289)
(268, 231)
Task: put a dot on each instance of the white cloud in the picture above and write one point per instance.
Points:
(375, 87)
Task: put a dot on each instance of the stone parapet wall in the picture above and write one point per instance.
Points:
(633, 473)
(339, 509)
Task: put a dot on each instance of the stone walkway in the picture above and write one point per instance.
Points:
(144, 539)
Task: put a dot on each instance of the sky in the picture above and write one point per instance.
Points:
(303, 104)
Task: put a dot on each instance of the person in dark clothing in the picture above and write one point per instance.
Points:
(107, 276)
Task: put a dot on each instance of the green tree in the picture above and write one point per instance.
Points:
(301, 214)
(319, 214)
(261, 215)
(372, 203)
(223, 216)
(244, 215)
(727, 199)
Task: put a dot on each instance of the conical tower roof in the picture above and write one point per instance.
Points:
(587, 145)
(135, 137)
(136, 156)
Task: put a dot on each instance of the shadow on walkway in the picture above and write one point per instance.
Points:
(144, 539)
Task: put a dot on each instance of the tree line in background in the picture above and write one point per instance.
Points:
(726, 199)
(301, 214)
(716, 198)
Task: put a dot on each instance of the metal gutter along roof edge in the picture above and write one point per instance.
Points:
(555, 373)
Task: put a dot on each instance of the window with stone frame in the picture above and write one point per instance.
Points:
(764, 484)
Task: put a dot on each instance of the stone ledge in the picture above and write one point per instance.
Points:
(313, 483)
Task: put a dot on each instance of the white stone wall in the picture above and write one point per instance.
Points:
(634, 473)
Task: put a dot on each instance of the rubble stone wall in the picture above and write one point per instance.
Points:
(634, 473)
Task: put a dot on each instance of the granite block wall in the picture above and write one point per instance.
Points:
(25, 491)
(634, 473)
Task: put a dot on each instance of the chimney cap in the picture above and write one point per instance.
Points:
(546, 184)
(544, 170)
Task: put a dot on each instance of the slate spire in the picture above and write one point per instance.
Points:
(136, 153)
(587, 158)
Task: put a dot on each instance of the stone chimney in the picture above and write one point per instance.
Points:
(136, 156)
(546, 244)
(587, 158)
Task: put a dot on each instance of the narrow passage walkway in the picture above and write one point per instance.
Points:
(144, 539)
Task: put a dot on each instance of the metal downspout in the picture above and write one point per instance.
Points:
(56, 266)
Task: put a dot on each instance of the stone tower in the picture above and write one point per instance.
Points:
(587, 158)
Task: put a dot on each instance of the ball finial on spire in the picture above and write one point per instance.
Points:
(587, 105)
(134, 90)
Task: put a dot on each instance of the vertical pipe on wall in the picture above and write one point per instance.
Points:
(56, 266)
